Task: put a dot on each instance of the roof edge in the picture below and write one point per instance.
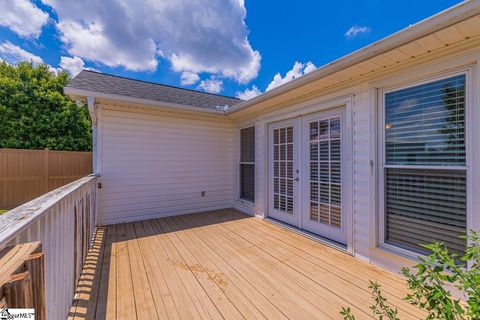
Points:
(441, 20)
(72, 91)
(161, 84)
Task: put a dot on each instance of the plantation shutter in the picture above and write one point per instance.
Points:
(425, 200)
(247, 164)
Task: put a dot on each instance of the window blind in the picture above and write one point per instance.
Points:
(425, 127)
(426, 205)
(425, 124)
(247, 164)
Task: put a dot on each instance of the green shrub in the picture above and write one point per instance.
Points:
(429, 285)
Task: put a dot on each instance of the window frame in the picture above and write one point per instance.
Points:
(240, 163)
(470, 118)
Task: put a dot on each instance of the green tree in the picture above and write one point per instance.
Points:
(34, 112)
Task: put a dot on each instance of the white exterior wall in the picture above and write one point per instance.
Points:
(361, 170)
(365, 131)
(156, 164)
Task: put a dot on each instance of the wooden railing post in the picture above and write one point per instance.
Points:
(22, 279)
(18, 291)
(35, 266)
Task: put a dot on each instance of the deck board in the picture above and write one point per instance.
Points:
(228, 278)
(224, 265)
(125, 295)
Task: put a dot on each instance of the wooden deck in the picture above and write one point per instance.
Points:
(223, 264)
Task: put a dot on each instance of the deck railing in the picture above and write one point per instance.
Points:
(63, 220)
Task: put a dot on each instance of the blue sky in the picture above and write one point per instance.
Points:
(229, 47)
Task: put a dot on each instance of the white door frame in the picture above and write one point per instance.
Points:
(300, 110)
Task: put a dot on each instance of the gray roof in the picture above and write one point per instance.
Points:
(110, 84)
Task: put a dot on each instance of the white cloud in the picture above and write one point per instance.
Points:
(248, 93)
(22, 17)
(188, 78)
(211, 85)
(53, 69)
(309, 67)
(356, 30)
(194, 36)
(72, 64)
(298, 70)
(13, 54)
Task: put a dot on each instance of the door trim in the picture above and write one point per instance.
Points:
(310, 235)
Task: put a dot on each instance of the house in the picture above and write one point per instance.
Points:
(369, 156)
(372, 152)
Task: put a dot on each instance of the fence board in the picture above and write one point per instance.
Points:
(27, 174)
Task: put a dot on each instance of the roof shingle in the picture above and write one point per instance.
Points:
(110, 84)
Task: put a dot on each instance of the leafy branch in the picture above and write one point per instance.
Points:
(432, 281)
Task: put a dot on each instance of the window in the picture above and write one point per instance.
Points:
(425, 171)
(247, 164)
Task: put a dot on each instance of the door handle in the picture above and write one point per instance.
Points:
(297, 179)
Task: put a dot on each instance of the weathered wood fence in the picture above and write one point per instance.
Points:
(63, 221)
(27, 174)
(22, 278)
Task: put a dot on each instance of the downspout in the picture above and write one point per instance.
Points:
(93, 116)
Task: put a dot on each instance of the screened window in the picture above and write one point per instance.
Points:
(425, 165)
(247, 164)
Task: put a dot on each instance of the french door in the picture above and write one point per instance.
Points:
(306, 173)
(284, 171)
(324, 168)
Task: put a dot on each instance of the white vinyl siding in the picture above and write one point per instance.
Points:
(133, 142)
(158, 164)
(362, 172)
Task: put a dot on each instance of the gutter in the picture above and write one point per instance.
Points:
(72, 91)
(92, 109)
(457, 13)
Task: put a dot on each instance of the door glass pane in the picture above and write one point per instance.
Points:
(314, 151)
(283, 169)
(335, 128)
(325, 172)
(323, 129)
(314, 212)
